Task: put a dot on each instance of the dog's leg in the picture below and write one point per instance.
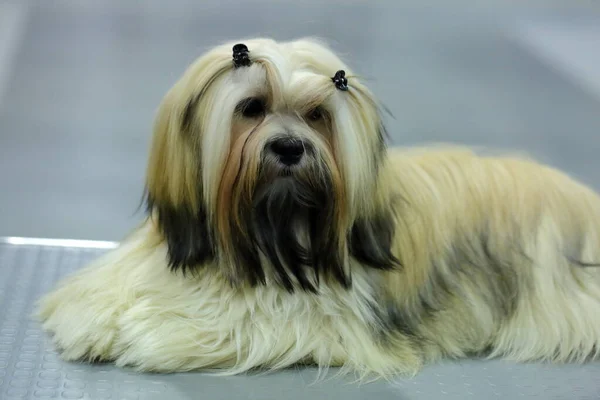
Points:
(507, 258)
(557, 317)
(207, 325)
(129, 308)
(83, 312)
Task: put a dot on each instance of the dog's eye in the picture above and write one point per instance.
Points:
(251, 107)
(316, 114)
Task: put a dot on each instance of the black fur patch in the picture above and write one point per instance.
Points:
(189, 113)
(474, 261)
(397, 320)
(370, 242)
(189, 239)
(280, 210)
(391, 321)
(468, 262)
(499, 271)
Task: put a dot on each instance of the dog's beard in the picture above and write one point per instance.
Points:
(291, 225)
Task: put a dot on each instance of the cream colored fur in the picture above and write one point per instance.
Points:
(493, 248)
(128, 307)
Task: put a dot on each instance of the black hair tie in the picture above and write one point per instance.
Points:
(340, 81)
(240, 56)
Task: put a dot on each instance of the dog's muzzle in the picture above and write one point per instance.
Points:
(287, 150)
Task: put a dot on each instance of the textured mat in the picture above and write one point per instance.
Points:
(30, 367)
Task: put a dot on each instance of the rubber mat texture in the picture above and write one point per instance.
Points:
(30, 367)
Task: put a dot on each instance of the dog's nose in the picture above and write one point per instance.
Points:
(288, 150)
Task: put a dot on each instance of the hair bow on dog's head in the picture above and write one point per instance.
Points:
(340, 81)
(240, 56)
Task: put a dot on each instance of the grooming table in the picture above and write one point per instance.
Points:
(31, 369)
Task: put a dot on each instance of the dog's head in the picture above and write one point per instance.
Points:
(262, 166)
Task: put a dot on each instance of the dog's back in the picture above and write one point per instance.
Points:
(500, 254)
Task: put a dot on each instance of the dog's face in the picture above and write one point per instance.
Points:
(269, 171)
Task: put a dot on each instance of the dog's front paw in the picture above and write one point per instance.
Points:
(82, 318)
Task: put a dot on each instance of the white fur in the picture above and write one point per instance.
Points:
(128, 307)
(450, 209)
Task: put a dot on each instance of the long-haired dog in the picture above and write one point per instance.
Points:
(282, 231)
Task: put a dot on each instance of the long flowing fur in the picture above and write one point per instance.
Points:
(371, 260)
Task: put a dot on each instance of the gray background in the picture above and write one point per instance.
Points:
(80, 81)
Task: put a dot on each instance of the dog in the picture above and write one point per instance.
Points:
(282, 230)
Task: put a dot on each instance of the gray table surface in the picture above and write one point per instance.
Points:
(30, 367)
(80, 81)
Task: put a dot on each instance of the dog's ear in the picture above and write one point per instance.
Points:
(173, 183)
(187, 234)
(371, 239)
(174, 176)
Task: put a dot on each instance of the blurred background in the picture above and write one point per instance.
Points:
(80, 81)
